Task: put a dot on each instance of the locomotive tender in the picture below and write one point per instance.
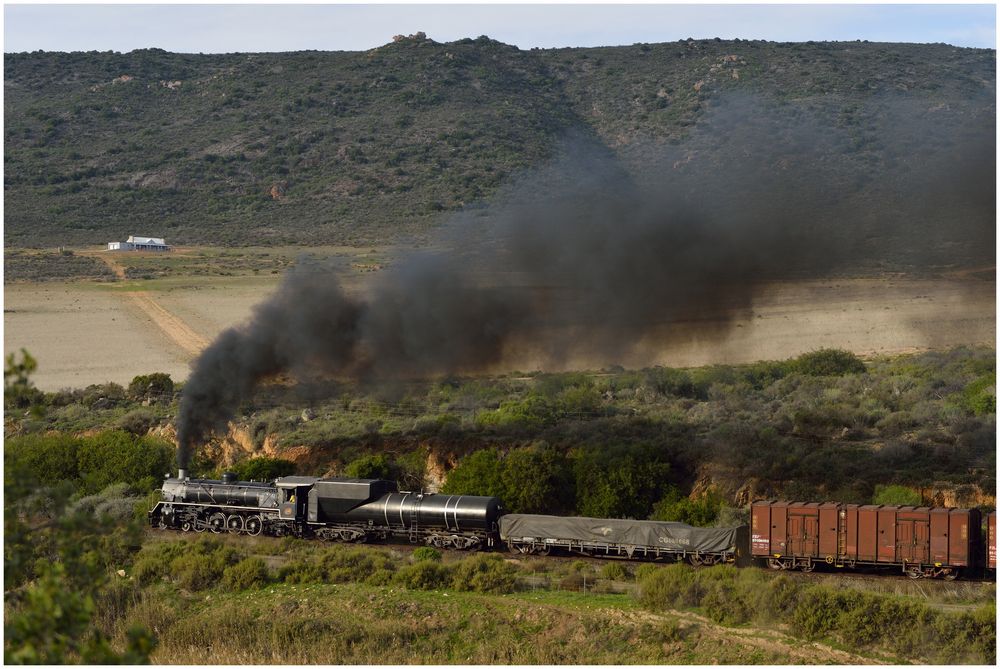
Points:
(342, 509)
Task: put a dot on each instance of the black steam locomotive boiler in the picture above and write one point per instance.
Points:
(336, 509)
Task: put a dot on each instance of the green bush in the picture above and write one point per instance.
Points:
(673, 586)
(829, 362)
(424, 575)
(723, 603)
(90, 463)
(245, 574)
(980, 397)
(263, 469)
(380, 577)
(336, 564)
(817, 612)
(49, 457)
(645, 569)
(529, 413)
(896, 495)
(701, 512)
(155, 387)
(138, 421)
(476, 474)
(614, 572)
(193, 565)
(371, 467)
(427, 553)
(487, 573)
(535, 479)
(618, 482)
(112, 457)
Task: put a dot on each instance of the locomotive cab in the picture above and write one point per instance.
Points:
(293, 495)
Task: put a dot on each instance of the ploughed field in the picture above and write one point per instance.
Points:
(160, 310)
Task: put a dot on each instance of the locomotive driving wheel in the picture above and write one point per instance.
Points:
(234, 524)
(254, 525)
(200, 525)
(217, 522)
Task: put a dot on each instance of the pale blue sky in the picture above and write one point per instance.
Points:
(228, 28)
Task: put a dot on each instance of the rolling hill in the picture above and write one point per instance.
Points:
(370, 147)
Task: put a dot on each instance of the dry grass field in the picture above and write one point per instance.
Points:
(85, 332)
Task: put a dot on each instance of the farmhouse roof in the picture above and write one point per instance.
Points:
(157, 241)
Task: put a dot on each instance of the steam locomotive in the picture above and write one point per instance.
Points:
(919, 541)
(336, 509)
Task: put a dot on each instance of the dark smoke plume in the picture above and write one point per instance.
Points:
(586, 258)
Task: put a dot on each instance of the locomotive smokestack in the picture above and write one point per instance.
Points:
(182, 474)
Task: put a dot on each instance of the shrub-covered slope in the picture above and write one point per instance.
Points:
(362, 147)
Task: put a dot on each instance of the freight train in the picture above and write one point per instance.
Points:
(918, 541)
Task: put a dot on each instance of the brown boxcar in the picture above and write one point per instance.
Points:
(921, 541)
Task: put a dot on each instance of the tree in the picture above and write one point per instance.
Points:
(375, 466)
(264, 469)
(57, 561)
(896, 495)
(701, 512)
(618, 482)
(19, 392)
(535, 479)
(476, 474)
(156, 387)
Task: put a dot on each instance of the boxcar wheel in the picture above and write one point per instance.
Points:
(951, 575)
(775, 563)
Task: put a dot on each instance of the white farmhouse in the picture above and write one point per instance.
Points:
(135, 243)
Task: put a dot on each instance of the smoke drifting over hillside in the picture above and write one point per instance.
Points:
(583, 258)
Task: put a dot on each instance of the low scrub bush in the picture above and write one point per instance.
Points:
(245, 574)
(855, 618)
(193, 565)
(485, 573)
(427, 553)
(337, 565)
(614, 572)
(263, 469)
(829, 362)
(424, 575)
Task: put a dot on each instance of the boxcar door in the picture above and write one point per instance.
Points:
(921, 542)
(810, 535)
(904, 541)
(803, 535)
(795, 534)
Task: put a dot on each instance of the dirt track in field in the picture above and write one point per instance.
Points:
(172, 326)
